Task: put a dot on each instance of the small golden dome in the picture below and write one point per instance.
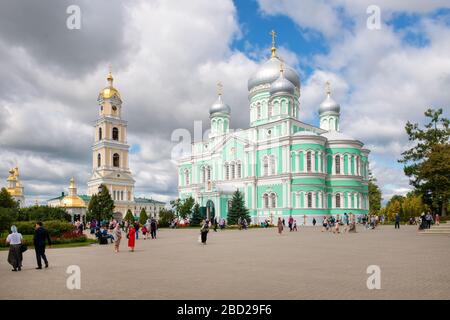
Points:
(73, 202)
(109, 91)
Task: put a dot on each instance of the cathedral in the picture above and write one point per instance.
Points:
(282, 165)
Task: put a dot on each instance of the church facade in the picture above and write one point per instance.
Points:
(282, 166)
(14, 187)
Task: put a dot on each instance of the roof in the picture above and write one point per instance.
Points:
(145, 200)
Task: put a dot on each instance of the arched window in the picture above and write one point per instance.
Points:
(99, 160)
(238, 170)
(266, 200)
(338, 164)
(308, 161)
(272, 165)
(100, 136)
(115, 134)
(309, 199)
(116, 160)
(258, 111)
(338, 200)
(265, 166)
(273, 200)
(186, 177)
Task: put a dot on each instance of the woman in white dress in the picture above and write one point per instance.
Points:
(15, 249)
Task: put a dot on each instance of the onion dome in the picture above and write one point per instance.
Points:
(282, 85)
(270, 71)
(219, 107)
(109, 91)
(329, 105)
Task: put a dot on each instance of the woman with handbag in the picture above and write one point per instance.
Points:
(15, 249)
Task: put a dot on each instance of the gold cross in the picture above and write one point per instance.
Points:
(274, 50)
(219, 88)
(328, 87)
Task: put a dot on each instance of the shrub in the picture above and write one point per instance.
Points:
(43, 213)
(55, 228)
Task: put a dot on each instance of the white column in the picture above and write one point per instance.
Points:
(342, 164)
(349, 164)
(319, 161)
(333, 167)
(305, 159)
(313, 161)
(289, 204)
(333, 201)
(313, 199)
(297, 200)
(357, 165)
(297, 162)
(305, 199)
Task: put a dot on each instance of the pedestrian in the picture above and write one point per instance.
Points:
(15, 249)
(314, 222)
(117, 233)
(325, 224)
(147, 227)
(290, 223)
(397, 221)
(429, 219)
(39, 240)
(153, 227)
(131, 237)
(215, 224)
(280, 225)
(437, 219)
(284, 223)
(204, 231)
(136, 229)
(294, 228)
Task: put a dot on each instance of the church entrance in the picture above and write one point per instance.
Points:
(210, 211)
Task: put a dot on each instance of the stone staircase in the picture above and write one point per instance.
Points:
(443, 228)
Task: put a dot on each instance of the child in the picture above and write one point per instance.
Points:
(131, 237)
(295, 226)
(144, 232)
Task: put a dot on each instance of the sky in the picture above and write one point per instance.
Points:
(167, 57)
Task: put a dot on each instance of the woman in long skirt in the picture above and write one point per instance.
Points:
(280, 225)
(131, 237)
(204, 231)
(15, 253)
(117, 233)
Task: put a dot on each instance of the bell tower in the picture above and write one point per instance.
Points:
(110, 150)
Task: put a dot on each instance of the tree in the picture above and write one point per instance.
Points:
(413, 206)
(176, 205)
(434, 178)
(196, 216)
(165, 217)
(143, 217)
(7, 216)
(374, 195)
(237, 209)
(6, 201)
(43, 213)
(434, 137)
(129, 216)
(101, 206)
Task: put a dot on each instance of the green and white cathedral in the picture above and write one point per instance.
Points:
(283, 166)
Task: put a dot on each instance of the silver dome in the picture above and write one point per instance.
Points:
(282, 85)
(270, 71)
(219, 107)
(329, 105)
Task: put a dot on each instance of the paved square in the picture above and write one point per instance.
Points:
(253, 264)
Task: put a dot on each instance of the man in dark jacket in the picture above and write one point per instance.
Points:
(40, 237)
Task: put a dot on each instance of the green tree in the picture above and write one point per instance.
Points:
(413, 206)
(185, 209)
(165, 217)
(143, 217)
(237, 209)
(7, 216)
(417, 164)
(196, 216)
(42, 213)
(129, 216)
(6, 201)
(374, 195)
(101, 206)
(434, 178)
(176, 205)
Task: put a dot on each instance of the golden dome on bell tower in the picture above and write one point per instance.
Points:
(109, 91)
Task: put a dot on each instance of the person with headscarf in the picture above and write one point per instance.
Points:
(117, 234)
(204, 231)
(15, 249)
